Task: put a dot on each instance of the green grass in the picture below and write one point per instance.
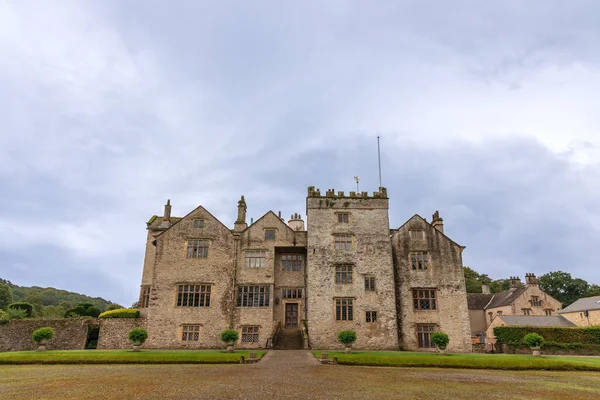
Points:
(476, 361)
(124, 357)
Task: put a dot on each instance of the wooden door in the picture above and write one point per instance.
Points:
(291, 315)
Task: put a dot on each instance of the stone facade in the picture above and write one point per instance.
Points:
(342, 272)
(114, 332)
(69, 333)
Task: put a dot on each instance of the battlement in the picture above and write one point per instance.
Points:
(330, 193)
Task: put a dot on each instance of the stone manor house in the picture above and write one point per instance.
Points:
(281, 284)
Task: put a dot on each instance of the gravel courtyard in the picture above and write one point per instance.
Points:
(287, 375)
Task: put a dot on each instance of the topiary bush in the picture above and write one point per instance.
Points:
(21, 305)
(229, 335)
(16, 313)
(138, 335)
(440, 339)
(121, 313)
(75, 312)
(347, 338)
(42, 334)
(92, 311)
(533, 340)
(4, 318)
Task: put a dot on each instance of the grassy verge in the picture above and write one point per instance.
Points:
(476, 361)
(125, 357)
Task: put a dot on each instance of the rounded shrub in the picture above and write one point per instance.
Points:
(347, 337)
(533, 340)
(16, 313)
(75, 312)
(229, 335)
(21, 305)
(92, 311)
(121, 313)
(440, 339)
(43, 333)
(4, 318)
(138, 335)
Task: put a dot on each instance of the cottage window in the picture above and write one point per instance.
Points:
(190, 333)
(548, 312)
(250, 334)
(343, 217)
(144, 296)
(255, 259)
(193, 295)
(291, 262)
(369, 283)
(253, 296)
(269, 234)
(371, 317)
(344, 309)
(198, 223)
(526, 311)
(343, 274)
(419, 261)
(417, 234)
(343, 242)
(424, 332)
(424, 299)
(291, 293)
(535, 301)
(197, 248)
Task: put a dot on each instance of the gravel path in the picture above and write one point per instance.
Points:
(287, 374)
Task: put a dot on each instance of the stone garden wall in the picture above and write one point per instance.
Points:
(114, 332)
(70, 333)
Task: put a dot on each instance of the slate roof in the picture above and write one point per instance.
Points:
(478, 301)
(587, 303)
(506, 298)
(535, 320)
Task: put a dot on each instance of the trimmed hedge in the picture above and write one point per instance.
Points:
(563, 335)
(21, 305)
(121, 313)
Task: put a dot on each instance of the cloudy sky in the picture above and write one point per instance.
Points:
(488, 113)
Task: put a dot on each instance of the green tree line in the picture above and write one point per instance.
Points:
(558, 284)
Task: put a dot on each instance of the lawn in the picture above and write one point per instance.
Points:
(476, 361)
(124, 357)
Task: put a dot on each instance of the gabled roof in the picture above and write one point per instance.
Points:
(478, 301)
(188, 214)
(432, 227)
(535, 320)
(585, 304)
(506, 298)
(276, 217)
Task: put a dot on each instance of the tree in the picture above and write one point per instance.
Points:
(28, 308)
(594, 290)
(6, 296)
(500, 285)
(563, 287)
(474, 279)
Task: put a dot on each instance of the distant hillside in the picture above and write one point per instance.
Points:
(51, 302)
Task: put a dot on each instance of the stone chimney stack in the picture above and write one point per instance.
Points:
(167, 214)
(296, 222)
(240, 223)
(531, 280)
(485, 288)
(515, 282)
(437, 222)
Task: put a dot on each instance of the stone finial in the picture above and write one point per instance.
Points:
(240, 223)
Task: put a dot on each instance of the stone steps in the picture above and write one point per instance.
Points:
(289, 339)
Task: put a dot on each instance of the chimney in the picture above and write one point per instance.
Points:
(167, 215)
(240, 223)
(515, 282)
(531, 280)
(437, 222)
(485, 288)
(296, 222)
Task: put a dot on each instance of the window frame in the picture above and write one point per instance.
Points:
(526, 311)
(268, 231)
(250, 331)
(433, 301)
(183, 296)
(291, 293)
(371, 316)
(422, 331)
(347, 244)
(249, 264)
(197, 250)
(370, 283)
(415, 233)
(343, 309)
(292, 265)
(343, 274)
(249, 295)
(190, 330)
(199, 223)
(419, 260)
(145, 291)
(343, 217)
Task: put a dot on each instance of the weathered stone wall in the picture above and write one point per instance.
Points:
(579, 318)
(69, 333)
(524, 301)
(371, 254)
(114, 332)
(477, 320)
(444, 274)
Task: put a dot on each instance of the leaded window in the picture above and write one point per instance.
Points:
(343, 274)
(193, 295)
(270, 234)
(424, 299)
(198, 223)
(371, 316)
(190, 333)
(343, 242)
(250, 334)
(197, 248)
(419, 260)
(417, 234)
(369, 283)
(253, 296)
(344, 309)
(255, 259)
(291, 262)
(145, 297)
(292, 293)
(343, 217)
(424, 333)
